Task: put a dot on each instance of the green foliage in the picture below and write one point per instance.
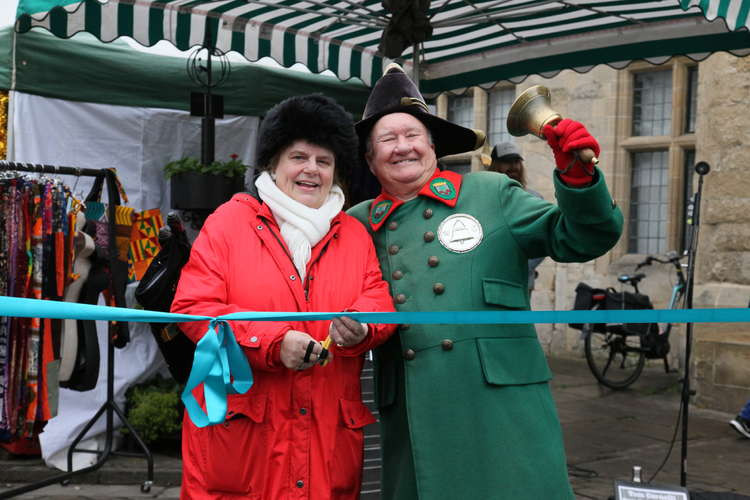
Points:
(231, 168)
(153, 409)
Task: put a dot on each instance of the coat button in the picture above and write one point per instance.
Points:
(393, 249)
(427, 213)
(433, 261)
(438, 288)
(300, 484)
(409, 354)
(429, 236)
(260, 227)
(397, 274)
(303, 411)
(393, 225)
(400, 298)
(292, 277)
(253, 339)
(446, 344)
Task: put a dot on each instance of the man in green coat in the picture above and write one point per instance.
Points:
(466, 411)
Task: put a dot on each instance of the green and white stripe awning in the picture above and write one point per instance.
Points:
(474, 42)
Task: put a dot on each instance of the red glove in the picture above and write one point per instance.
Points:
(564, 138)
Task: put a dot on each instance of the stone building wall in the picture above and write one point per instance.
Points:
(722, 351)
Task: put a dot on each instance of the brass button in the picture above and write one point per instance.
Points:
(397, 274)
(429, 236)
(400, 298)
(409, 354)
(438, 288)
(433, 261)
(427, 213)
(405, 327)
(393, 249)
(393, 225)
(446, 344)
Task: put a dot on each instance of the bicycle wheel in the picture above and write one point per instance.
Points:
(616, 360)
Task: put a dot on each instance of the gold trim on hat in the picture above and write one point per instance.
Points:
(413, 101)
(481, 137)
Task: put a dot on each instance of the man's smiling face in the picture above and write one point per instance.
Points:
(401, 154)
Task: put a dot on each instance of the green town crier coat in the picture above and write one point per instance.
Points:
(466, 411)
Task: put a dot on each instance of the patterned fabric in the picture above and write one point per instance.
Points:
(144, 242)
(123, 226)
(34, 263)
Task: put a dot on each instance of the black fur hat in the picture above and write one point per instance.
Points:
(315, 118)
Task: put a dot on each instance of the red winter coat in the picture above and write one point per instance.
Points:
(294, 434)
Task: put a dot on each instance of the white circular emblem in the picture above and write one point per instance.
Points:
(460, 233)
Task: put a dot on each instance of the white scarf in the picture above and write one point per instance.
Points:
(302, 227)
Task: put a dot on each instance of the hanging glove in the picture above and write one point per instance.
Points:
(565, 138)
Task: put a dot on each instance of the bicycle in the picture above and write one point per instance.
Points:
(616, 353)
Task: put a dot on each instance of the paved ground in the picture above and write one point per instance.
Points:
(606, 433)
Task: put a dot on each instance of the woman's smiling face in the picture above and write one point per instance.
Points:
(304, 172)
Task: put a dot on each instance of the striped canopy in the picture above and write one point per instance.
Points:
(474, 42)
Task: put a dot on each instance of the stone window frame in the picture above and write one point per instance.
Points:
(678, 143)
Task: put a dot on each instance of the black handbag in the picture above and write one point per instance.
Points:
(156, 291)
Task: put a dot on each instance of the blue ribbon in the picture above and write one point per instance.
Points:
(221, 366)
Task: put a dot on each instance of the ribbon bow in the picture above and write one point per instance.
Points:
(222, 368)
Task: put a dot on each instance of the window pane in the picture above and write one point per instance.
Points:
(652, 103)
(500, 102)
(461, 110)
(648, 203)
(692, 99)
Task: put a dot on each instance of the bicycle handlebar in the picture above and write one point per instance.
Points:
(672, 257)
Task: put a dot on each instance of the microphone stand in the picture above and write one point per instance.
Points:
(701, 168)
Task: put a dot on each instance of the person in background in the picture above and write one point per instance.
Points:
(466, 412)
(298, 432)
(741, 423)
(506, 159)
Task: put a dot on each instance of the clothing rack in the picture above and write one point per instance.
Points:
(109, 408)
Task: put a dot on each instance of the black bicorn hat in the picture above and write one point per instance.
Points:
(315, 118)
(396, 93)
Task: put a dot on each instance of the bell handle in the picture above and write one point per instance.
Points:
(586, 155)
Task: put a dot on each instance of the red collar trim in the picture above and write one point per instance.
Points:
(444, 186)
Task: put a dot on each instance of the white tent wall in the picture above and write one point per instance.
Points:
(136, 141)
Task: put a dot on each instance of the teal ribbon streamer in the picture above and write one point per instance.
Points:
(222, 368)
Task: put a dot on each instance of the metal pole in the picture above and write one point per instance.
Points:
(702, 169)
(208, 123)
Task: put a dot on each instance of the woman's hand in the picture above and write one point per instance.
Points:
(299, 351)
(347, 332)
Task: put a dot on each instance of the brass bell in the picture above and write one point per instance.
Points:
(531, 111)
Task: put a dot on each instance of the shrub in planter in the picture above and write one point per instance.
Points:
(154, 410)
(194, 186)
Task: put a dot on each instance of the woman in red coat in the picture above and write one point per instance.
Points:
(297, 433)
